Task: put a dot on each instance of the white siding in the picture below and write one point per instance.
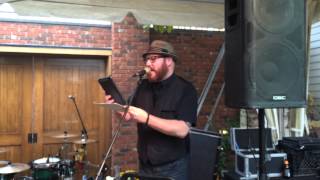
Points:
(314, 69)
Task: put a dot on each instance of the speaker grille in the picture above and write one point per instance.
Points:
(271, 67)
(265, 53)
(276, 16)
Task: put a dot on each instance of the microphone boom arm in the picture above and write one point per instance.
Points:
(84, 130)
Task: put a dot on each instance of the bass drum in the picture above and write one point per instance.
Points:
(45, 168)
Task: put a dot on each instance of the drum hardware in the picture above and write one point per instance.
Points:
(84, 141)
(64, 149)
(66, 168)
(80, 154)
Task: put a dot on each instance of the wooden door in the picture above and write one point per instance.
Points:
(34, 100)
(15, 106)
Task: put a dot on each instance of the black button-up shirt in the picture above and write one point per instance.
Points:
(173, 98)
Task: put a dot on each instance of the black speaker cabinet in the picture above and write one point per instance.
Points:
(265, 59)
(203, 154)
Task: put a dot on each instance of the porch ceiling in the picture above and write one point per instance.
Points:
(199, 13)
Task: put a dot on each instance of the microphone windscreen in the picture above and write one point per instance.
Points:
(147, 70)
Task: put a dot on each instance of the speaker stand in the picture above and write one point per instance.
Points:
(262, 146)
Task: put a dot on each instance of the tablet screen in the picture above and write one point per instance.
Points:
(110, 88)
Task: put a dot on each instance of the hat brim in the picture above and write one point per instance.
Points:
(160, 53)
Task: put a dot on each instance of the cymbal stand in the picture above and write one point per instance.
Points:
(100, 173)
(62, 151)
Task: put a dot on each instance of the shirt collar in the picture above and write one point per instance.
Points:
(165, 82)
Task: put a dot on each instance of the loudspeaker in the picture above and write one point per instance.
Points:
(265, 57)
(203, 154)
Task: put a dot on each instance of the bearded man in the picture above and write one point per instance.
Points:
(164, 108)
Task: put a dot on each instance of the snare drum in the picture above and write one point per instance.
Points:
(45, 168)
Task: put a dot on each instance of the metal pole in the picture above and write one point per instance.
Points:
(262, 146)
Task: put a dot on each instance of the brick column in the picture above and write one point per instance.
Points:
(129, 41)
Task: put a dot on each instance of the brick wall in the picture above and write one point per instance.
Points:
(54, 35)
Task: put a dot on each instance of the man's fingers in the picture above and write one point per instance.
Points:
(109, 99)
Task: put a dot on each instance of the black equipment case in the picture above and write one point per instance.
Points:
(303, 154)
(245, 143)
(203, 154)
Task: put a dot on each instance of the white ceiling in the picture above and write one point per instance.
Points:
(190, 13)
(198, 13)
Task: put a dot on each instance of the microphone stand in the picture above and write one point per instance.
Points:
(84, 133)
(100, 172)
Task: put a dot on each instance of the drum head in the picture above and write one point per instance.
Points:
(45, 162)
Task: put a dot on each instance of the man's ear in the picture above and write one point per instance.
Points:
(169, 61)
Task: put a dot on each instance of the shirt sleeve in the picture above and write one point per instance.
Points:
(187, 109)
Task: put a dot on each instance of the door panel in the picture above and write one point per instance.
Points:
(15, 111)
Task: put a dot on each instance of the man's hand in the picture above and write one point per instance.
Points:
(137, 114)
(109, 99)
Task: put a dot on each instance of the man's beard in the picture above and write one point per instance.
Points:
(161, 73)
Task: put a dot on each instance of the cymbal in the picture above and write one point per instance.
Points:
(84, 141)
(63, 135)
(4, 162)
(14, 168)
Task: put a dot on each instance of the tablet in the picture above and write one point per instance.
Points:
(110, 88)
(113, 106)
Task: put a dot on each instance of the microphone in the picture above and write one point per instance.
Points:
(71, 97)
(141, 73)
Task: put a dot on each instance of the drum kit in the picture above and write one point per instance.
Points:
(58, 167)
